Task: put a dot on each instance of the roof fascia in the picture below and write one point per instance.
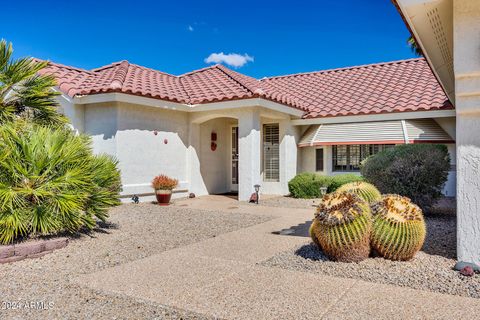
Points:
(128, 98)
(151, 102)
(252, 102)
(377, 117)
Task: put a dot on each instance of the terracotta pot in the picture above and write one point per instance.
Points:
(163, 197)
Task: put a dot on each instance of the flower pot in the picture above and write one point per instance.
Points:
(163, 197)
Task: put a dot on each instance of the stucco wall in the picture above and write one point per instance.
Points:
(101, 125)
(466, 17)
(127, 132)
(143, 154)
(74, 112)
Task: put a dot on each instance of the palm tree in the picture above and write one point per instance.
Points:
(24, 93)
(414, 46)
(50, 181)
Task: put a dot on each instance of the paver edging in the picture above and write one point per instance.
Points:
(33, 249)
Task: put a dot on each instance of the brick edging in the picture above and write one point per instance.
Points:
(34, 249)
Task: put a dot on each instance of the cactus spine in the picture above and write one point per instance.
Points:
(342, 227)
(398, 228)
(364, 190)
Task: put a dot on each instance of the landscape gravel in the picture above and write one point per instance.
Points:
(132, 232)
(287, 202)
(431, 269)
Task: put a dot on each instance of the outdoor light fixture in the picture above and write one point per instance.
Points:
(323, 191)
(257, 188)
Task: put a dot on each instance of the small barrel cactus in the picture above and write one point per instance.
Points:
(342, 227)
(364, 190)
(398, 228)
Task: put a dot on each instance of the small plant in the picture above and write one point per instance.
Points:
(163, 182)
(342, 227)
(364, 190)
(398, 228)
(163, 186)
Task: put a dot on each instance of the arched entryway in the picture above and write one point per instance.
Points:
(218, 155)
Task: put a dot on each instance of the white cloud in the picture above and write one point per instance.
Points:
(190, 28)
(232, 59)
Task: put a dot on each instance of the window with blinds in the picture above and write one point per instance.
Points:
(271, 152)
(349, 157)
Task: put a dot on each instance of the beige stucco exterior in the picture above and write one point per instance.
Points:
(447, 31)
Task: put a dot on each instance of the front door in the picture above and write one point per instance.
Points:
(234, 158)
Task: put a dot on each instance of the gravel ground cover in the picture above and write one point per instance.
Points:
(445, 206)
(133, 232)
(286, 202)
(431, 269)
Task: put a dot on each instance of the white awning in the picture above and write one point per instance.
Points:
(376, 132)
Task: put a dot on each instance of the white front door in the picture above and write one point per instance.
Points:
(234, 161)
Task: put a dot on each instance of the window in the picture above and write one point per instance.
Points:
(319, 159)
(271, 154)
(349, 157)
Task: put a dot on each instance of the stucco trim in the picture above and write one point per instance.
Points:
(122, 97)
(377, 117)
(241, 103)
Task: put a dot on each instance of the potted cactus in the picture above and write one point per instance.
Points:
(163, 186)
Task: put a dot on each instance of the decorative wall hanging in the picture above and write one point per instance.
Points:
(213, 144)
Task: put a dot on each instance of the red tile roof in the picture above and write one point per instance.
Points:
(399, 86)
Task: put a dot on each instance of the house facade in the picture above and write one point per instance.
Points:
(447, 32)
(218, 131)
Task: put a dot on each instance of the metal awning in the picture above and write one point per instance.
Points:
(376, 132)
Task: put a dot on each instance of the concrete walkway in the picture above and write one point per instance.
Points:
(220, 277)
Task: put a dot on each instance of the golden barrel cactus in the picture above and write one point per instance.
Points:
(364, 190)
(342, 227)
(398, 228)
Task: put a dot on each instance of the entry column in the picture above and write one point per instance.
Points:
(249, 146)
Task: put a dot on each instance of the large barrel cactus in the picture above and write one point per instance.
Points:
(342, 227)
(398, 228)
(364, 190)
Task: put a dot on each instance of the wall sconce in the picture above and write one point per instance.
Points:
(257, 189)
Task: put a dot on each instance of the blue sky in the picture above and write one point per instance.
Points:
(177, 36)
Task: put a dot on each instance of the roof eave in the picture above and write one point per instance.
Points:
(415, 14)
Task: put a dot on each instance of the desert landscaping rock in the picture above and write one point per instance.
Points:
(132, 232)
(431, 269)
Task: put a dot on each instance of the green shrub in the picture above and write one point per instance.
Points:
(307, 185)
(339, 180)
(416, 171)
(51, 182)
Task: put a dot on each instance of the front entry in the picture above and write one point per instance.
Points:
(234, 161)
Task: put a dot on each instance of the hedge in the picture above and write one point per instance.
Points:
(307, 185)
